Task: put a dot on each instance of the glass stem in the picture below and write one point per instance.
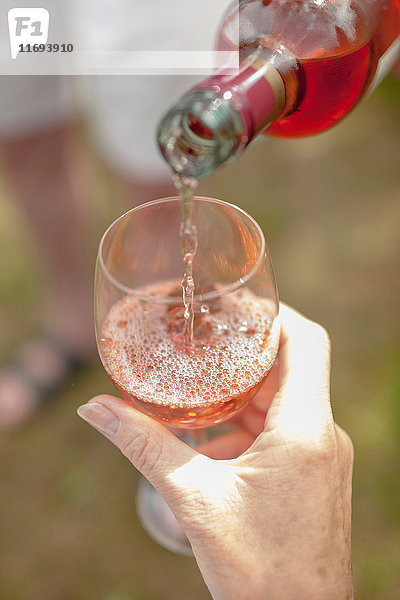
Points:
(194, 437)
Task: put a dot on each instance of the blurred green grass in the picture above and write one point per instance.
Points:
(330, 210)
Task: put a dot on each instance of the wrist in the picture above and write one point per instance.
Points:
(281, 580)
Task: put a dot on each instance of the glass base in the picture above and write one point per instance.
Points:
(159, 521)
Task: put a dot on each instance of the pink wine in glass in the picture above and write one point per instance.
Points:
(143, 348)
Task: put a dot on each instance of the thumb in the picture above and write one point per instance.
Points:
(150, 447)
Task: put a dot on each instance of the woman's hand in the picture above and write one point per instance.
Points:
(272, 517)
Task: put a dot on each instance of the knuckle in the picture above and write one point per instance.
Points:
(347, 445)
(321, 334)
(323, 450)
(318, 450)
(143, 451)
(135, 449)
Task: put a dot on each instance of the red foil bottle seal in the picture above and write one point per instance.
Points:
(257, 92)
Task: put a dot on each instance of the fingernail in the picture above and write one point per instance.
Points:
(99, 417)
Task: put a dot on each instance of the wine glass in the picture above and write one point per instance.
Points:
(140, 324)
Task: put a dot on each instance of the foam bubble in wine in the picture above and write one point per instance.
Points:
(233, 348)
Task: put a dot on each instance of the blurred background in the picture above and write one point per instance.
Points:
(329, 207)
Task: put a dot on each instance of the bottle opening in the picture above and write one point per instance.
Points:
(200, 133)
(198, 128)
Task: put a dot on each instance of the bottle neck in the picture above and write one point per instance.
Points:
(217, 119)
(257, 93)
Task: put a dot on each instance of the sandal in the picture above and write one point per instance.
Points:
(41, 369)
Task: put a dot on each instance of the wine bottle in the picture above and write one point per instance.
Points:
(303, 66)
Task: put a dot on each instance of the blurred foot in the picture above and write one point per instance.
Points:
(41, 368)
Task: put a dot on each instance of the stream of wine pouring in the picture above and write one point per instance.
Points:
(188, 244)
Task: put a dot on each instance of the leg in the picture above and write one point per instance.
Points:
(43, 172)
(46, 182)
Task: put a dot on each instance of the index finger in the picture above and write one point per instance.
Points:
(302, 403)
